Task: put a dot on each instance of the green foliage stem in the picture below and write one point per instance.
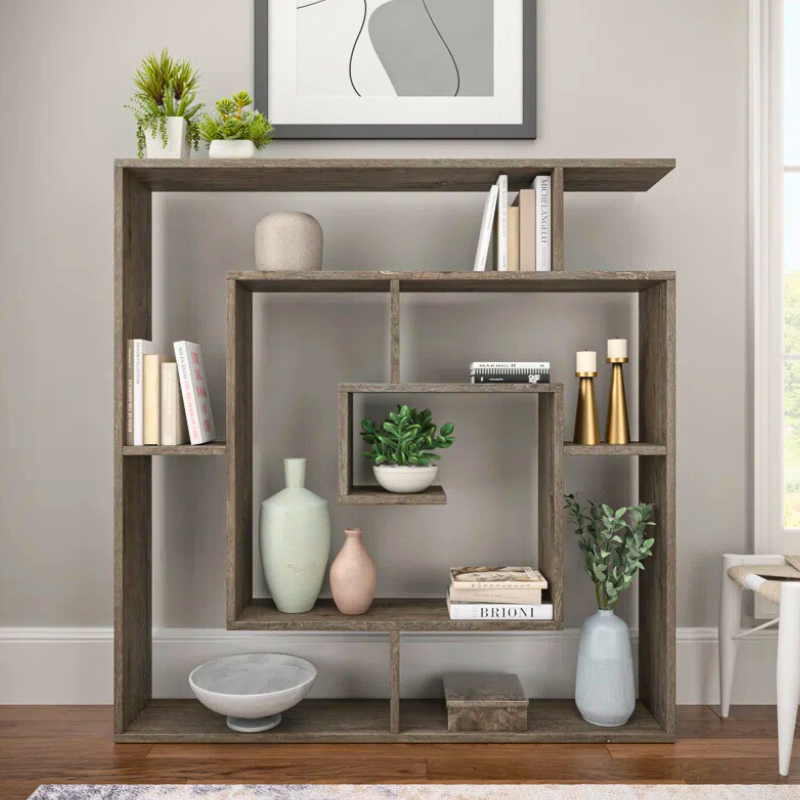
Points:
(231, 121)
(613, 543)
(407, 438)
(165, 87)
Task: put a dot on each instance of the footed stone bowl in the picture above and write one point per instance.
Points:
(252, 690)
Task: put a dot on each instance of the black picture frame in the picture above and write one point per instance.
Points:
(524, 130)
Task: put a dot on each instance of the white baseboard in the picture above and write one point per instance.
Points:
(74, 666)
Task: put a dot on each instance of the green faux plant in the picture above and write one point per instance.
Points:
(407, 438)
(165, 87)
(231, 121)
(613, 543)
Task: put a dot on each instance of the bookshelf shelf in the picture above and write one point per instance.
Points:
(210, 449)
(138, 717)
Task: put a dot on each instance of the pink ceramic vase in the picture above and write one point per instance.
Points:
(353, 575)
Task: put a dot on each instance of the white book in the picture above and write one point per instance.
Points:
(141, 347)
(501, 228)
(173, 418)
(543, 611)
(194, 389)
(479, 365)
(486, 230)
(543, 217)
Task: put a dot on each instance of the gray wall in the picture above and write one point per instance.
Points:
(619, 78)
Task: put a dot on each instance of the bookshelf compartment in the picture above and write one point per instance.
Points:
(210, 449)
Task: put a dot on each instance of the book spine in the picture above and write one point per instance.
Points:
(479, 365)
(173, 425)
(500, 611)
(187, 391)
(202, 398)
(542, 185)
(129, 392)
(513, 239)
(511, 378)
(138, 391)
(484, 240)
(527, 230)
(152, 399)
(501, 239)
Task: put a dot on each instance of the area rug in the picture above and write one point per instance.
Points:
(418, 792)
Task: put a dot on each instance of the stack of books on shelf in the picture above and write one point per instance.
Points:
(167, 399)
(498, 593)
(521, 231)
(509, 372)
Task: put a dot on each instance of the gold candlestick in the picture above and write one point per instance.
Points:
(617, 431)
(587, 430)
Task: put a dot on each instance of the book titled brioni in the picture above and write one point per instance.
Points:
(510, 372)
(542, 611)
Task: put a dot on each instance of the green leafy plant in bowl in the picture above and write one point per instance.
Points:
(164, 106)
(402, 448)
(233, 132)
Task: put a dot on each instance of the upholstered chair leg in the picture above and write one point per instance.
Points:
(730, 611)
(788, 672)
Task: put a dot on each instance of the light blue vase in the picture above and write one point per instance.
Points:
(604, 685)
(295, 538)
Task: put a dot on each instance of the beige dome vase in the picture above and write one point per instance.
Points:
(353, 575)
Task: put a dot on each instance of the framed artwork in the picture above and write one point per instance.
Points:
(397, 69)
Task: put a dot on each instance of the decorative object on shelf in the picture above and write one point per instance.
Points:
(353, 575)
(485, 701)
(194, 388)
(252, 690)
(617, 430)
(402, 449)
(233, 132)
(355, 70)
(164, 107)
(509, 372)
(614, 543)
(288, 240)
(587, 429)
(295, 534)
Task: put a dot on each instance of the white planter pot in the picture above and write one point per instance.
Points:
(231, 148)
(177, 147)
(405, 480)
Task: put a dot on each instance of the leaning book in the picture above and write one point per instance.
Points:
(196, 400)
(543, 611)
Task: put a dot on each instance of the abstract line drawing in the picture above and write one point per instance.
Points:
(395, 48)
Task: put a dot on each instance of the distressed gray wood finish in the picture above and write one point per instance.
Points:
(392, 175)
(378, 496)
(551, 494)
(239, 405)
(367, 721)
(458, 281)
(385, 615)
(345, 443)
(631, 449)
(657, 485)
(557, 220)
(394, 681)
(132, 485)
(394, 314)
(210, 449)
(485, 701)
(451, 388)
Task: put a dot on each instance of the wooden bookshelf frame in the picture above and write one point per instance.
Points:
(138, 717)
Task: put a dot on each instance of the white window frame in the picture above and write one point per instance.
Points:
(767, 276)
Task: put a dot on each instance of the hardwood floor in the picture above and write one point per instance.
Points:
(73, 744)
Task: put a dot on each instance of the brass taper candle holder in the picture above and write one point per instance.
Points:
(587, 430)
(617, 431)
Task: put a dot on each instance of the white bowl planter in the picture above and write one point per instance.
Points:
(231, 148)
(177, 146)
(405, 480)
(252, 690)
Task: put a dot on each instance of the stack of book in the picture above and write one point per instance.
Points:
(509, 372)
(521, 231)
(167, 399)
(497, 593)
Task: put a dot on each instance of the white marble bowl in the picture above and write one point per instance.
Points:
(405, 480)
(252, 690)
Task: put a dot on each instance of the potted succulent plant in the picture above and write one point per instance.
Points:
(164, 107)
(402, 449)
(233, 132)
(614, 542)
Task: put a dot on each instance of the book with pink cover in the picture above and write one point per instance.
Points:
(194, 389)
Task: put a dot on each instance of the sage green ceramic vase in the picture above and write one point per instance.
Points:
(295, 541)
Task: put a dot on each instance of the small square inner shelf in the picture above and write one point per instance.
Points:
(485, 701)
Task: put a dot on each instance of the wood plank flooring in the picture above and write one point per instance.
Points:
(73, 744)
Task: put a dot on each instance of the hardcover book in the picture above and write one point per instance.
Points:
(501, 226)
(173, 418)
(152, 399)
(497, 577)
(526, 203)
(542, 187)
(138, 349)
(543, 611)
(513, 239)
(510, 372)
(194, 389)
(485, 238)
